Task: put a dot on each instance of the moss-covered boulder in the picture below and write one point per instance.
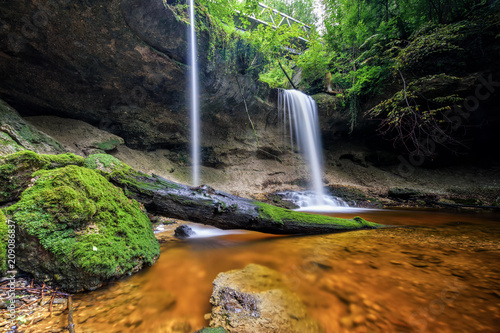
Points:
(3, 243)
(16, 170)
(76, 230)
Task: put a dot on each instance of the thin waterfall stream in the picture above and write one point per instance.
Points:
(195, 102)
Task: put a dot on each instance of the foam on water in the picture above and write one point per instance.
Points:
(307, 202)
(203, 231)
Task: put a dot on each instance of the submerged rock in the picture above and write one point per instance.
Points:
(76, 230)
(255, 299)
(184, 231)
(212, 330)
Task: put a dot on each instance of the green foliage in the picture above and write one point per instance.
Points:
(3, 243)
(420, 112)
(301, 10)
(315, 62)
(255, 52)
(274, 75)
(368, 79)
(85, 222)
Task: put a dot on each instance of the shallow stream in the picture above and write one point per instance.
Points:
(439, 272)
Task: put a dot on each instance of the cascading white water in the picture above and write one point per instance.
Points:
(195, 103)
(301, 110)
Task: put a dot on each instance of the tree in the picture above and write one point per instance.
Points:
(301, 10)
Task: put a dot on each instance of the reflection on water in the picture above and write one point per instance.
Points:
(440, 275)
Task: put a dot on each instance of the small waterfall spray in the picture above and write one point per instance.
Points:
(195, 103)
(300, 110)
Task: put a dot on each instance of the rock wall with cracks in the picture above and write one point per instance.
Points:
(119, 65)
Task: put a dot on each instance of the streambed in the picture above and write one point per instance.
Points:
(441, 273)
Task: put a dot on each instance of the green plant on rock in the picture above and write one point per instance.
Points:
(76, 229)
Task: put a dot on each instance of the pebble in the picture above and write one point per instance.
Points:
(60, 301)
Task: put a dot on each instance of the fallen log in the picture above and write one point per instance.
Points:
(205, 205)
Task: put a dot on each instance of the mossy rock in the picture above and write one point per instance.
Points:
(16, 170)
(3, 243)
(110, 144)
(9, 145)
(76, 230)
(17, 134)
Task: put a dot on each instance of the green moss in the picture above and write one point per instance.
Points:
(8, 145)
(85, 223)
(24, 134)
(3, 243)
(282, 216)
(16, 170)
(124, 176)
(109, 145)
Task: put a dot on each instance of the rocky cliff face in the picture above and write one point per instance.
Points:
(118, 64)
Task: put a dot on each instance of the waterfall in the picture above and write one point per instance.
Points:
(195, 103)
(300, 114)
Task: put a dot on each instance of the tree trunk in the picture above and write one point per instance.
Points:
(205, 205)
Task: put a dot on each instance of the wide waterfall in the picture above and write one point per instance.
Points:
(300, 118)
(195, 103)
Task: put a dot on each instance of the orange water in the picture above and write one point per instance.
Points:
(442, 274)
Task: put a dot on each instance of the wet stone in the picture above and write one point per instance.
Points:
(184, 231)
